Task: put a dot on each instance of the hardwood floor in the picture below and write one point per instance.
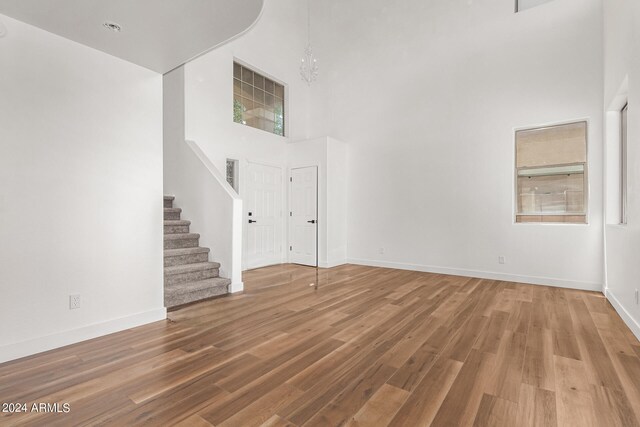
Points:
(353, 345)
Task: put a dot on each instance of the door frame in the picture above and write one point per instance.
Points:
(289, 204)
(244, 169)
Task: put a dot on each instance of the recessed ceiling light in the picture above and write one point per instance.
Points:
(112, 26)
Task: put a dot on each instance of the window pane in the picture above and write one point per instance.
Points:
(269, 100)
(279, 105)
(258, 81)
(253, 122)
(269, 114)
(258, 95)
(551, 174)
(248, 108)
(238, 110)
(259, 110)
(247, 75)
(232, 173)
(247, 91)
(269, 126)
(279, 91)
(279, 126)
(255, 102)
(268, 86)
(551, 194)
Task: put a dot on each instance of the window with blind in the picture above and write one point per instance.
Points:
(551, 174)
(257, 100)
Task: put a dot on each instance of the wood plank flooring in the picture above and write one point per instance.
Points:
(352, 345)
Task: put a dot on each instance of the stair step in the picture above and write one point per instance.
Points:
(181, 240)
(172, 214)
(185, 251)
(176, 226)
(185, 293)
(191, 272)
(177, 222)
(179, 269)
(173, 257)
(168, 201)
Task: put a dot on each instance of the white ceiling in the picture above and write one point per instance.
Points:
(157, 34)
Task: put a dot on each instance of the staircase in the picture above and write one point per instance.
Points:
(188, 274)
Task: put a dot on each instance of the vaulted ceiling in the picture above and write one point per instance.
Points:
(156, 34)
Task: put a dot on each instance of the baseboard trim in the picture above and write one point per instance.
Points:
(73, 336)
(236, 287)
(331, 264)
(628, 319)
(532, 280)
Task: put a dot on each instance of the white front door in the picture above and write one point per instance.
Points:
(303, 219)
(263, 215)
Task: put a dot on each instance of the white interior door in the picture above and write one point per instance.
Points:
(263, 215)
(303, 219)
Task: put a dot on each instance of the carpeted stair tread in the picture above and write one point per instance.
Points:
(185, 251)
(185, 293)
(182, 288)
(181, 236)
(188, 268)
(189, 276)
(177, 222)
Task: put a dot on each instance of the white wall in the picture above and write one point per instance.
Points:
(81, 193)
(622, 63)
(427, 96)
(274, 47)
(337, 202)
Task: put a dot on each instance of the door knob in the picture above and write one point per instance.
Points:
(313, 221)
(252, 221)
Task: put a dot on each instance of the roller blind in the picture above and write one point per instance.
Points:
(556, 145)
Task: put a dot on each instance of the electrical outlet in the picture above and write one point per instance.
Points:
(74, 302)
(501, 260)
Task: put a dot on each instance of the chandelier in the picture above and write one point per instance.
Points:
(308, 64)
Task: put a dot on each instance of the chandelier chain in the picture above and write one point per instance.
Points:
(309, 63)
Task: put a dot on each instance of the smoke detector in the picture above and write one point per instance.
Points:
(116, 28)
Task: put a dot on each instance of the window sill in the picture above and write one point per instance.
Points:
(578, 219)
